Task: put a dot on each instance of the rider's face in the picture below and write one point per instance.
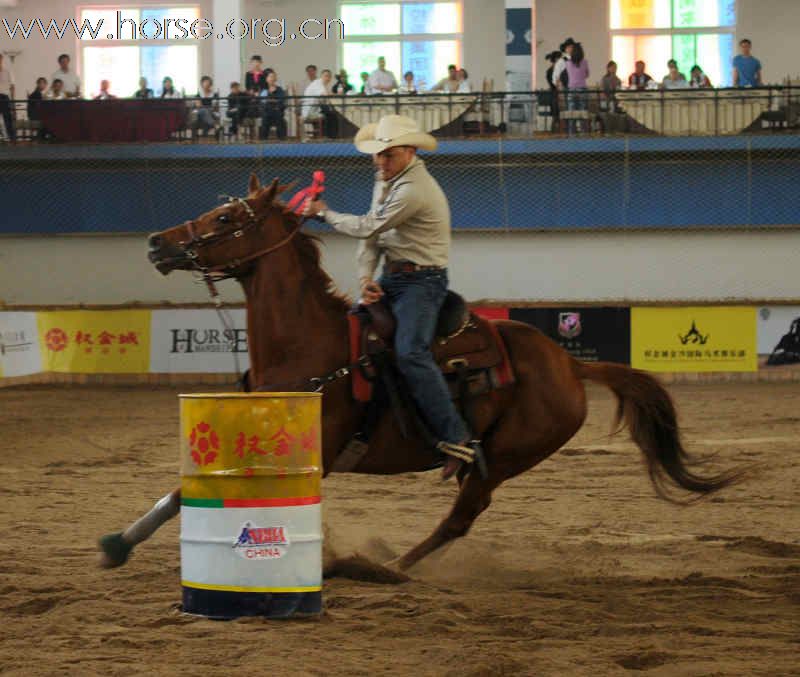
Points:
(392, 161)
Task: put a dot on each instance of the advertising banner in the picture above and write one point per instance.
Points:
(779, 334)
(95, 342)
(196, 341)
(704, 338)
(590, 334)
(19, 345)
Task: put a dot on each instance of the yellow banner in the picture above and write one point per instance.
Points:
(706, 338)
(95, 342)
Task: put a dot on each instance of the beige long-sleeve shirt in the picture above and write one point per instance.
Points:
(409, 220)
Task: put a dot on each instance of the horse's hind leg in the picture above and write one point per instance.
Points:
(473, 498)
(115, 548)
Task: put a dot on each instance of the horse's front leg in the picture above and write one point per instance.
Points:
(115, 548)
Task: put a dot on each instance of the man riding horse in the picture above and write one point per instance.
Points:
(409, 224)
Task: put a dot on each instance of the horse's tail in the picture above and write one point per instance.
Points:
(646, 408)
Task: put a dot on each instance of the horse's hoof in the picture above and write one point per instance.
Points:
(114, 551)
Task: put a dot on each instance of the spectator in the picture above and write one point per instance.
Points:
(56, 92)
(553, 57)
(274, 107)
(7, 91)
(206, 115)
(312, 109)
(311, 73)
(746, 68)
(35, 97)
(610, 83)
(238, 103)
(577, 75)
(559, 74)
(104, 91)
(254, 78)
(408, 86)
(342, 86)
(639, 79)
(144, 92)
(674, 79)
(365, 88)
(71, 83)
(450, 83)
(168, 90)
(698, 79)
(381, 80)
(464, 86)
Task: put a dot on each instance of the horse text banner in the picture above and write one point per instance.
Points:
(589, 334)
(700, 338)
(196, 341)
(95, 342)
(19, 345)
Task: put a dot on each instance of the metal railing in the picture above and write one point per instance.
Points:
(686, 112)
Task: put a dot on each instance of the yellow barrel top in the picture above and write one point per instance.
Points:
(248, 395)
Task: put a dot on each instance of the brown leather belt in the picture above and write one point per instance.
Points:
(406, 267)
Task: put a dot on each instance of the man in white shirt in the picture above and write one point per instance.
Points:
(6, 97)
(71, 82)
(380, 80)
(312, 108)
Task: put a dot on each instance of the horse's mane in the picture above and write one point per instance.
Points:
(307, 246)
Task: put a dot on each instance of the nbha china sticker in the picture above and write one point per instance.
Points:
(260, 543)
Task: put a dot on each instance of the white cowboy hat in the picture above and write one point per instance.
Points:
(391, 131)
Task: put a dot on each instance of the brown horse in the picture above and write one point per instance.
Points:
(297, 329)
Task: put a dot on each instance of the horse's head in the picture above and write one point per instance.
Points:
(226, 239)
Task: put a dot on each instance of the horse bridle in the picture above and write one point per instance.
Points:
(191, 248)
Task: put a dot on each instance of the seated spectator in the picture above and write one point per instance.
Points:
(168, 90)
(698, 79)
(312, 109)
(311, 73)
(7, 93)
(254, 78)
(70, 82)
(365, 88)
(342, 86)
(35, 97)
(408, 86)
(382, 81)
(464, 86)
(674, 79)
(144, 92)
(238, 102)
(105, 92)
(206, 114)
(274, 107)
(609, 84)
(746, 68)
(639, 79)
(56, 90)
(449, 84)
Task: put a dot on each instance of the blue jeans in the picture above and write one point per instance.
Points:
(415, 299)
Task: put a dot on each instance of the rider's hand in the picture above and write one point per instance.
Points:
(314, 207)
(371, 292)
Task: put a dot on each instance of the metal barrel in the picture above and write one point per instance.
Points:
(251, 528)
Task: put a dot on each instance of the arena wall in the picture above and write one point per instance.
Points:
(730, 266)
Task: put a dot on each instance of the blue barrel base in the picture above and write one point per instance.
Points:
(219, 604)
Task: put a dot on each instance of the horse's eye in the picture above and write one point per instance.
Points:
(223, 218)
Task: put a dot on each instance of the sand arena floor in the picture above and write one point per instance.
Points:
(576, 569)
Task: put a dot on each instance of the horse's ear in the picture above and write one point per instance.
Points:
(271, 193)
(254, 185)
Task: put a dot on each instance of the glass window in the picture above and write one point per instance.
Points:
(428, 60)
(654, 50)
(640, 14)
(371, 19)
(118, 65)
(431, 17)
(178, 62)
(109, 26)
(363, 56)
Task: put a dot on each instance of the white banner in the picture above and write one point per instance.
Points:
(195, 341)
(19, 345)
(773, 323)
